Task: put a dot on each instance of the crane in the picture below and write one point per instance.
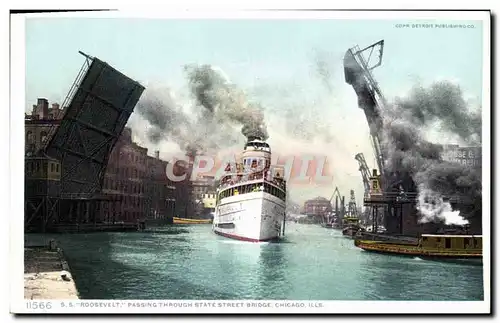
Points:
(351, 208)
(364, 170)
(365, 174)
(338, 196)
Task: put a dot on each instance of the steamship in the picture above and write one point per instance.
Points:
(251, 197)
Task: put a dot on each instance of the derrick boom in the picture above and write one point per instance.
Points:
(364, 170)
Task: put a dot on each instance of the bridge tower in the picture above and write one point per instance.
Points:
(358, 67)
(96, 109)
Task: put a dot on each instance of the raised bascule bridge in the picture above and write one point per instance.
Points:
(64, 179)
(392, 196)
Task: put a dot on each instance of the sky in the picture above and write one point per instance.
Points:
(274, 62)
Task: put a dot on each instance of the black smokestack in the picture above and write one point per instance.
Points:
(251, 137)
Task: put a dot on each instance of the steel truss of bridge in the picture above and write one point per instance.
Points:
(98, 106)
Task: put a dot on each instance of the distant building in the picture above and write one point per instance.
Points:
(318, 208)
(40, 124)
(203, 186)
(208, 202)
(468, 156)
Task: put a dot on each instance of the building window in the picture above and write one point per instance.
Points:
(29, 137)
(51, 167)
(43, 137)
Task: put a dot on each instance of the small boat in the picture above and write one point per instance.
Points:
(351, 226)
(351, 231)
(456, 248)
(191, 221)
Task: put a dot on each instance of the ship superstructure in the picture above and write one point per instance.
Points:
(251, 196)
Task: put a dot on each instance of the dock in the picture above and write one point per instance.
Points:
(46, 273)
(99, 227)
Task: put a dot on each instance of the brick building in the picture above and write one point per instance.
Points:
(185, 201)
(125, 175)
(139, 180)
(159, 190)
(317, 208)
(40, 123)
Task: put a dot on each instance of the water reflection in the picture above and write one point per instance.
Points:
(412, 278)
(272, 275)
(190, 262)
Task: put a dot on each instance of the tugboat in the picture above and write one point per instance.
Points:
(441, 247)
(250, 203)
(351, 227)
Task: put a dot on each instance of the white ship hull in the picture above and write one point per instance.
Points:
(254, 217)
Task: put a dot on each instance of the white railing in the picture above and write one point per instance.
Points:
(245, 181)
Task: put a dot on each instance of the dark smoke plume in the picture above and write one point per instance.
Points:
(166, 120)
(220, 98)
(407, 151)
(219, 108)
(444, 102)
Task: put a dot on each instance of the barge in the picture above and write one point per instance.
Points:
(191, 221)
(456, 248)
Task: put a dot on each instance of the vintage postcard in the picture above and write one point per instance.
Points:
(250, 162)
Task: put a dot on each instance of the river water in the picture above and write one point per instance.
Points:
(313, 263)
